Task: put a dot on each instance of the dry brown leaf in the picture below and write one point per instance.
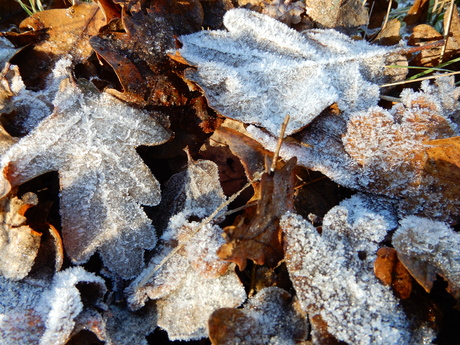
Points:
(418, 12)
(423, 34)
(390, 34)
(392, 272)
(259, 237)
(67, 33)
(250, 152)
(136, 45)
(331, 13)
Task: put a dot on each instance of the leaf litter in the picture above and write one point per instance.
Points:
(405, 156)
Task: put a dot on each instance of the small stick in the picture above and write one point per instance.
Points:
(280, 142)
(387, 16)
(447, 30)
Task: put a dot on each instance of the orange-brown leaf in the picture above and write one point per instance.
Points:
(259, 238)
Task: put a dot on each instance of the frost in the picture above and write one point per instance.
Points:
(389, 152)
(31, 314)
(91, 139)
(19, 244)
(332, 281)
(428, 248)
(31, 107)
(193, 280)
(270, 317)
(7, 51)
(260, 70)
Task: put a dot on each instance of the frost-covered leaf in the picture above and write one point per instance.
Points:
(29, 107)
(18, 242)
(260, 70)
(271, 317)
(193, 280)
(390, 152)
(332, 272)
(428, 248)
(91, 139)
(116, 325)
(45, 313)
(7, 51)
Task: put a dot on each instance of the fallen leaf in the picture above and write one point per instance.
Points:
(281, 71)
(388, 151)
(418, 12)
(90, 139)
(428, 248)
(68, 31)
(259, 238)
(138, 55)
(332, 279)
(330, 13)
(270, 317)
(391, 271)
(45, 313)
(185, 272)
(19, 243)
(23, 108)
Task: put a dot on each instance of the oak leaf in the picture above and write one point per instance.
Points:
(260, 70)
(333, 280)
(330, 14)
(91, 139)
(135, 46)
(193, 279)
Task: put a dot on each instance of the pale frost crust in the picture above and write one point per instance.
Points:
(91, 139)
(194, 280)
(32, 314)
(331, 280)
(260, 70)
(428, 248)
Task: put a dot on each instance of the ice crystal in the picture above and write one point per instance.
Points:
(428, 248)
(335, 280)
(193, 280)
(91, 139)
(260, 70)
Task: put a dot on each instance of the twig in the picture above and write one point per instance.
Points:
(387, 15)
(280, 142)
(447, 30)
